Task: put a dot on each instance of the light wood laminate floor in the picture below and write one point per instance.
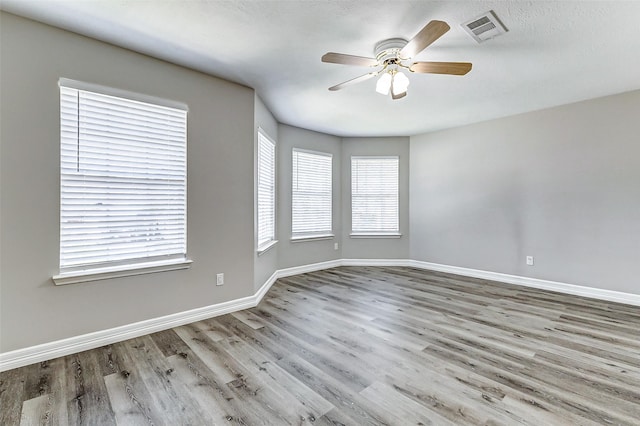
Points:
(357, 346)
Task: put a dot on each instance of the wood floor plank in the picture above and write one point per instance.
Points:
(357, 346)
(571, 360)
(214, 398)
(395, 408)
(168, 399)
(225, 368)
(249, 318)
(49, 407)
(260, 365)
(169, 342)
(590, 392)
(444, 386)
(41, 378)
(213, 330)
(108, 360)
(35, 411)
(259, 398)
(86, 395)
(537, 392)
(129, 400)
(313, 347)
(349, 402)
(12, 394)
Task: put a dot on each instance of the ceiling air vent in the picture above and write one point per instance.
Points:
(484, 27)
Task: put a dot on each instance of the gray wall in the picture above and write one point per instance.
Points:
(305, 252)
(220, 187)
(376, 248)
(561, 184)
(267, 262)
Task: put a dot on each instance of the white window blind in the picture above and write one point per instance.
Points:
(374, 195)
(311, 194)
(123, 180)
(266, 190)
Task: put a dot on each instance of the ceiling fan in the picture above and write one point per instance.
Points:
(394, 55)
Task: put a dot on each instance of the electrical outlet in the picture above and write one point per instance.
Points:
(530, 260)
(219, 279)
(336, 246)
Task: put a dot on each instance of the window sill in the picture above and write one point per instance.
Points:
(375, 235)
(312, 238)
(265, 247)
(120, 271)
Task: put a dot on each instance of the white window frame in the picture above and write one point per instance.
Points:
(309, 234)
(266, 192)
(356, 197)
(73, 268)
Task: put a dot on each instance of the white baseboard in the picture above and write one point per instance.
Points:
(576, 290)
(58, 348)
(375, 262)
(295, 270)
(46, 351)
(71, 345)
(262, 291)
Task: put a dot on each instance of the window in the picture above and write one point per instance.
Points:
(266, 191)
(122, 180)
(311, 195)
(374, 196)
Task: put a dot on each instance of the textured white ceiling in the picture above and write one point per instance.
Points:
(555, 52)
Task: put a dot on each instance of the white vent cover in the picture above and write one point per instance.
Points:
(484, 27)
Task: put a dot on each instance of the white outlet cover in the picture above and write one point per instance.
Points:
(530, 260)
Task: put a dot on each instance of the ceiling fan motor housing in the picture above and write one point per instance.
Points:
(389, 49)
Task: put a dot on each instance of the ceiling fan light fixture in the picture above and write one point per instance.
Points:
(384, 84)
(400, 84)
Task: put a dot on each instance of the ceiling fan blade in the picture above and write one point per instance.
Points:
(341, 58)
(353, 81)
(398, 96)
(453, 68)
(430, 33)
